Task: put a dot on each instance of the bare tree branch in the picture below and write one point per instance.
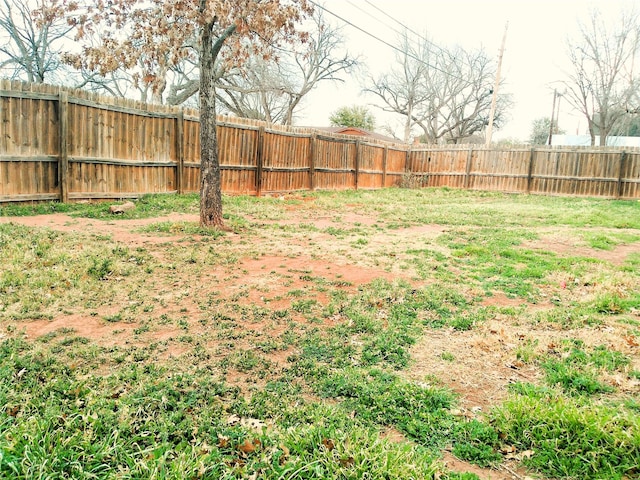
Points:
(32, 35)
(602, 84)
(444, 93)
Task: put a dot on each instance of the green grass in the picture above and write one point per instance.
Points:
(497, 261)
(146, 206)
(571, 440)
(136, 420)
(174, 228)
(609, 240)
(206, 371)
(403, 207)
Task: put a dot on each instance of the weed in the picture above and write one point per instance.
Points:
(117, 317)
(420, 412)
(575, 315)
(245, 361)
(573, 379)
(526, 351)
(577, 372)
(570, 440)
(447, 356)
(413, 180)
(478, 443)
(100, 268)
(612, 304)
(187, 228)
(305, 306)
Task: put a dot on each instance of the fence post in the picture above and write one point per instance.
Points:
(180, 151)
(623, 157)
(357, 164)
(385, 156)
(259, 160)
(467, 170)
(63, 136)
(530, 170)
(312, 161)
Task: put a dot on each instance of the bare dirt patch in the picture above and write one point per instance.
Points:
(565, 244)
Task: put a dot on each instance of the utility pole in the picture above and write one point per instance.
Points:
(553, 112)
(494, 99)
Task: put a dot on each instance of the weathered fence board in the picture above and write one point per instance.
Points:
(58, 144)
(396, 167)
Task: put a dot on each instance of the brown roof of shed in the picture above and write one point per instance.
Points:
(357, 131)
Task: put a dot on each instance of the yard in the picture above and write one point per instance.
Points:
(398, 333)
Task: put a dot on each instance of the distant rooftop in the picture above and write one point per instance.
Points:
(358, 131)
(585, 141)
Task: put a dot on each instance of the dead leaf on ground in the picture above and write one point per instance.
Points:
(249, 446)
(508, 449)
(223, 441)
(328, 444)
(13, 411)
(527, 454)
(253, 424)
(233, 419)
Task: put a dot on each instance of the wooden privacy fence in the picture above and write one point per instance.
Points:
(58, 144)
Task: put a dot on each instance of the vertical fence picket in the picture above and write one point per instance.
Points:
(312, 161)
(357, 161)
(180, 151)
(530, 169)
(623, 156)
(63, 135)
(259, 160)
(467, 169)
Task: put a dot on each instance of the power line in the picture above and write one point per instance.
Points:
(321, 7)
(409, 54)
(377, 19)
(404, 26)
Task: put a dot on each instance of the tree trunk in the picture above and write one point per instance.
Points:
(603, 138)
(407, 125)
(210, 192)
(590, 128)
(210, 184)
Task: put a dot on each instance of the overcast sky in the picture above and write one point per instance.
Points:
(534, 58)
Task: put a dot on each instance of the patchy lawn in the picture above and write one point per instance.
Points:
(370, 334)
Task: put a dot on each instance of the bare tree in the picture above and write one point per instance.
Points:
(123, 82)
(402, 90)
(271, 89)
(445, 93)
(31, 37)
(258, 91)
(602, 84)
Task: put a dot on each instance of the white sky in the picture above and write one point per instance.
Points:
(534, 58)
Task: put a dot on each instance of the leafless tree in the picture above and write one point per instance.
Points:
(602, 84)
(31, 37)
(273, 88)
(259, 91)
(121, 82)
(445, 93)
(402, 90)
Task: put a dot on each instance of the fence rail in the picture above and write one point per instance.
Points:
(58, 144)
